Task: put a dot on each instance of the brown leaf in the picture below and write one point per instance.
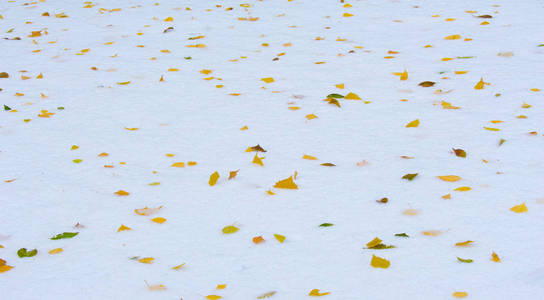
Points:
(485, 16)
(233, 174)
(459, 152)
(4, 75)
(426, 83)
(256, 148)
(168, 29)
(383, 200)
(328, 164)
(333, 101)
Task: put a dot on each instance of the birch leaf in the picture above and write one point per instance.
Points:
(410, 176)
(55, 251)
(213, 179)
(122, 193)
(480, 84)
(279, 237)
(460, 294)
(463, 189)
(159, 220)
(178, 267)
(258, 160)
(267, 295)
(230, 229)
(519, 208)
(309, 157)
(378, 262)
(464, 244)
(316, 293)
(286, 184)
(414, 123)
(449, 178)
(146, 260)
(123, 228)
(352, 96)
(495, 257)
(464, 260)
(232, 174)
(460, 153)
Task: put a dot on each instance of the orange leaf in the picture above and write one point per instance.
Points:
(159, 220)
(122, 193)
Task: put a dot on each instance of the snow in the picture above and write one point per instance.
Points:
(193, 119)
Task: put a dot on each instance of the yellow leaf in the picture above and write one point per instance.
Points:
(169, 19)
(316, 293)
(347, 15)
(268, 79)
(221, 286)
(404, 75)
(154, 183)
(432, 233)
(157, 287)
(123, 227)
(446, 59)
(233, 174)
(132, 129)
(286, 184)
(410, 212)
(464, 244)
(147, 211)
(374, 242)
(463, 189)
(191, 163)
(352, 96)
(339, 86)
(5, 268)
(460, 72)
(519, 208)
(453, 37)
(535, 90)
(525, 105)
(205, 71)
(244, 128)
(159, 220)
(123, 83)
(309, 157)
(258, 160)
(495, 257)
(213, 297)
(449, 178)
(122, 193)
(414, 123)
(491, 129)
(230, 229)
(146, 260)
(74, 147)
(448, 196)
(311, 116)
(178, 164)
(269, 192)
(267, 295)
(196, 46)
(460, 294)
(279, 237)
(178, 267)
(213, 179)
(480, 84)
(172, 70)
(378, 262)
(55, 251)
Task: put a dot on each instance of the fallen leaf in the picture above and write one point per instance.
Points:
(159, 220)
(232, 174)
(432, 232)
(256, 148)
(463, 189)
(352, 96)
(279, 237)
(378, 262)
(464, 244)
(426, 83)
(414, 123)
(55, 251)
(24, 253)
(267, 295)
(480, 84)
(268, 79)
(326, 225)
(464, 260)
(213, 297)
(460, 152)
(328, 164)
(123, 228)
(522, 208)
(402, 235)
(146, 260)
(286, 184)
(122, 193)
(230, 229)
(147, 211)
(213, 179)
(258, 239)
(258, 160)
(411, 212)
(178, 164)
(404, 75)
(460, 294)
(449, 178)
(65, 235)
(495, 257)
(309, 157)
(410, 176)
(178, 267)
(316, 293)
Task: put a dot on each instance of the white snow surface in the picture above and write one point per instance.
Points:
(190, 117)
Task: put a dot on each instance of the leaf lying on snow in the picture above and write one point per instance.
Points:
(378, 262)
(267, 295)
(147, 211)
(213, 178)
(376, 243)
(232, 174)
(449, 178)
(459, 152)
(230, 229)
(64, 235)
(426, 83)
(326, 225)
(286, 184)
(464, 244)
(256, 148)
(522, 208)
(402, 234)
(316, 293)
(410, 176)
(335, 96)
(24, 253)
(464, 260)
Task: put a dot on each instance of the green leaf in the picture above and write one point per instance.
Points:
(381, 246)
(135, 258)
(410, 176)
(468, 260)
(188, 57)
(23, 253)
(7, 107)
(60, 108)
(338, 96)
(9, 31)
(326, 225)
(402, 234)
(541, 45)
(442, 72)
(77, 160)
(464, 57)
(64, 235)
